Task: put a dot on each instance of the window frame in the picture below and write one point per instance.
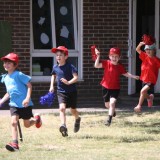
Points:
(77, 52)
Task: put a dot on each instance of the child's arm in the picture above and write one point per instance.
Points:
(4, 99)
(28, 96)
(138, 49)
(129, 75)
(51, 89)
(73, 80)
(97, 63)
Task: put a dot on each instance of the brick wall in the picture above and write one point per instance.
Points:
(105, 24)
(17, 12)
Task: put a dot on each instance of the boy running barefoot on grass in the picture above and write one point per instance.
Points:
(67, 76)
(111, 79)
(19, 90)
(149, 73)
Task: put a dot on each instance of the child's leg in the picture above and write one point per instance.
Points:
(28, 119)
(30, 122)
(13, 146)
(14, 124)
(143, 95)
(75, 113)
(77, 119)
(62, 110)
(107, 105)
(111, 111)
(112, 105)
(151, 95)
(63, 128)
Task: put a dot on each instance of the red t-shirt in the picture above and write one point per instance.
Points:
(111, 77)
(149, 68)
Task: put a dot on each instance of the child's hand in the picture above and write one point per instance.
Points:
(97, 52)
(51, 89)
(64, 81)
(141, 43)
(25, 102)
(137, 77)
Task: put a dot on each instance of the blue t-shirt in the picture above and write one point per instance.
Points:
(16, 86)
(66, 71)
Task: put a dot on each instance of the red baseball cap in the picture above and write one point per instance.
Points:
(60, 48)
(11, 56)
(115, 51)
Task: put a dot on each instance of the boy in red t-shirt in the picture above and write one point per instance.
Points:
(149, 73)
(111, 79)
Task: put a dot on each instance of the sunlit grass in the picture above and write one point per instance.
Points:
(130, 137)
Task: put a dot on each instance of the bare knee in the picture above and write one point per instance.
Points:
(14, 123)
(74, 111)
(112, 102)
(143, 92)
(26, 125)
(62, 109)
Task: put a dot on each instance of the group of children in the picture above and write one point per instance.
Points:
(19, 88)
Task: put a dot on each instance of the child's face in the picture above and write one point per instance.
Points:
(61, 57)
(114, 58)
(9, 66)
(150, 52)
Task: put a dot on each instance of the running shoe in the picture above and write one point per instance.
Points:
(12, 147)
(77, 125)
(38, 120)
(63, 131)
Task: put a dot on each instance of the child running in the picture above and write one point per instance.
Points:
(67, 76)
(149, 73)
(111, 80)
(19, 90)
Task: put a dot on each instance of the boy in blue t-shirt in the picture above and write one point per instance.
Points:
(19, 90)
(67, 76)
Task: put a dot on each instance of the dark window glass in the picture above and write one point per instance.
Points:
(64, 23)
(42, 66)
(41, 21)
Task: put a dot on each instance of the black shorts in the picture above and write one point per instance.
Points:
(151, 86)
(70, 99)
(110, 93)
(24, 113)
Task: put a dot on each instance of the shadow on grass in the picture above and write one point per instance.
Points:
(95, 137)
(135, 139)
(123, 139)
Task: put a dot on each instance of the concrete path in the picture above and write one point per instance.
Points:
(86, 110)
(48, 111)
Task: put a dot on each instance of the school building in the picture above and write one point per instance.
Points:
(32, 27)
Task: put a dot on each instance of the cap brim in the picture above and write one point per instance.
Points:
(10, 59)
(4, 58)
(151, 47)
(54, 50)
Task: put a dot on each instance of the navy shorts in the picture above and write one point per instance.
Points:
(24, 113)
(70, 99)
(151, 87)
(110, 93)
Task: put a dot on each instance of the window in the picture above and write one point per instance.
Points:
(55, 23)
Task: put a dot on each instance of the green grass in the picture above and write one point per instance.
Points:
(130, 137)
